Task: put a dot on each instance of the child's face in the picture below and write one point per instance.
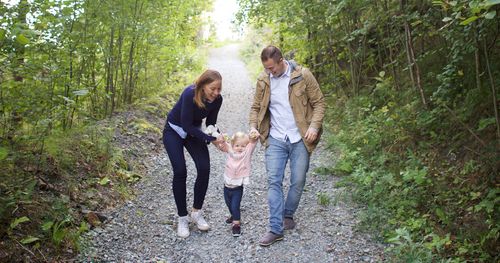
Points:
(240, 144)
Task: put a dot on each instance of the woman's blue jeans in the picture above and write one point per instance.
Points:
(277, 155)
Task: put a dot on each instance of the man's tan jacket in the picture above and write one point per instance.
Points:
(306, 99)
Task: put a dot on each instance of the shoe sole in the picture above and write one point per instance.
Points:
(203, 228)
(268, 244)
(183, 236)
(236, 235)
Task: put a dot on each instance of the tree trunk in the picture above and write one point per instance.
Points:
(70, 75)
(493, 90)
(109, 72)
(410, 55)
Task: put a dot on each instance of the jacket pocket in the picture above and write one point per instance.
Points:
(300, 94)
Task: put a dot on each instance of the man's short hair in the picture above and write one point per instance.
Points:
(271, 52)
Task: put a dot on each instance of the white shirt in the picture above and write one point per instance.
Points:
(179, 130)
(283, 124)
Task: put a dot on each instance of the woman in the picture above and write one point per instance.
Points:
(183, 130)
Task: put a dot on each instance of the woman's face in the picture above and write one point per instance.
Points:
(212, 90)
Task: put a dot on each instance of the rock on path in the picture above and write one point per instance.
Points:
(144, 229)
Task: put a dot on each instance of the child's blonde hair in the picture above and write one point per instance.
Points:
(239, 135)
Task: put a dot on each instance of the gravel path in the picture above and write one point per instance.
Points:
(144, 229)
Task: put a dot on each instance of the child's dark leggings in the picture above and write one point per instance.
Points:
(198, 150)
(232, 196)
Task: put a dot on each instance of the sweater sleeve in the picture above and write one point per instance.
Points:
(251, 147)
(187, 111)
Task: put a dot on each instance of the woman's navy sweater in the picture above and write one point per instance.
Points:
(189, 116)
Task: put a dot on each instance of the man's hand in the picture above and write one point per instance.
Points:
(311, 135)
(253, 134)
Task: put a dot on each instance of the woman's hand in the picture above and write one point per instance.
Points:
(219, 139)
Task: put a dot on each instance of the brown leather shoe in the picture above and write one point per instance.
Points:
(269, 238)
(288, 223)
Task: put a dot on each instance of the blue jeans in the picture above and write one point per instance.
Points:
(232, 196)
(277, 155)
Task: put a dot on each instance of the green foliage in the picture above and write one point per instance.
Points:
(324, 199)
(142, 126)
(18, 221)
(65, 68)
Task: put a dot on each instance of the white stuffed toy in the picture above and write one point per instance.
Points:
(212, 131)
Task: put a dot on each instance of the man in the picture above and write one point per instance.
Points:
(287, 111)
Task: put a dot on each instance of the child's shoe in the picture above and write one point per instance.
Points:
(183, 226)
(236, 230)
(200, 222)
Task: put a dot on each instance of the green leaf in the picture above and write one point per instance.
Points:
(491, 14)
(82, 92)
(440, 214)
(68, 100)
(18, 221)
(3, 153)
(21, 39)
(29, 239)
(104, 181)
(84, 227)
(489, 3)
(469, 20)
(483, 123)
(47, 225)
(446, 19)
(2, 34)
(58, 235)
(473, 5)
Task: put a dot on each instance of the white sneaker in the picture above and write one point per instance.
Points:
(200, 222)
(183, 227)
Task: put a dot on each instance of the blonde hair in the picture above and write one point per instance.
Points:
(238, 136)
(205, 78)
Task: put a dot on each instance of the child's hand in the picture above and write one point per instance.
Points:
(221, 143)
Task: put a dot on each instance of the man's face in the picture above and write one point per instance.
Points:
(275, 68)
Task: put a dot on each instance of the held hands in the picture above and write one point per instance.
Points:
(220, 143)
(219, 140)
(311, 135)
(253, 134)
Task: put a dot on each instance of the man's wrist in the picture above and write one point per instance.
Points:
(313, 129)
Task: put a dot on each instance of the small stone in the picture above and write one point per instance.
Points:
(330, 249)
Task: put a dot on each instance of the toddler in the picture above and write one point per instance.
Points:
(237, 173)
